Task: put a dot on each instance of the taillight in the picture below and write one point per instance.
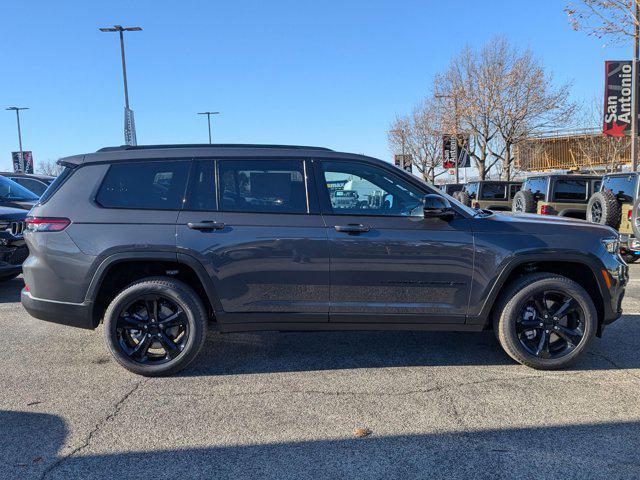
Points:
(629, 215)
(476, 205)
(546, 210)
(38, 224)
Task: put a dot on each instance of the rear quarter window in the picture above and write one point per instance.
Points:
(622, 186)
(537, 186)
(157, 185)
(493, 192)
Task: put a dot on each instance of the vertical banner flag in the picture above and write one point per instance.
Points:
(453, 152)
(129, 127)
(404, 162)
(617, 98)
(22, 163)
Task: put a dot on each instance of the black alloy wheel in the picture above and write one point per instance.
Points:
(152, 329)
(519, 205)
(596, 212)
(551, 324)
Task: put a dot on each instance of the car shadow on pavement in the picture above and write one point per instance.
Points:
(10, 290)
(32, 443)
(266, 352)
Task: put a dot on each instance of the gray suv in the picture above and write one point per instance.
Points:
(162, 242)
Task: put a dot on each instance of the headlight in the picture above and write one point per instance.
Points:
(611, 244)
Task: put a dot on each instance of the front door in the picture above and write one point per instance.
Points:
(388, 263)
(261, 239)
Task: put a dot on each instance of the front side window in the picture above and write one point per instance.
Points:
(570, 190)
(360, 189)
(262, 186)
(494, 191)
(537, 186)
(622, 186)
(10, 191)
(154, 185)
(513, 189)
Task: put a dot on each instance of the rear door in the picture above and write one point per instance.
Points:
(260, 237)
(388, 263)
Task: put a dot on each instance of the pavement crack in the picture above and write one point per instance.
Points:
(97, 427)
(614, 364)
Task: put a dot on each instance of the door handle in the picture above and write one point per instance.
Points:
(206, 225)
(352, 228)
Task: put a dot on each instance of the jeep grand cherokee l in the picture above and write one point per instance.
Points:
(161, 242)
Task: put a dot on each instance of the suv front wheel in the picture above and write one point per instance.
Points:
(155, 326)
(545, 321)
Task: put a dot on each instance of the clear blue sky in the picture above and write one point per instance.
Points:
(330, 73)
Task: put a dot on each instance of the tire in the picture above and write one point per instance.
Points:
(515, 303)
(172, 295)
(604, 208)
(524, 202)
(463, 198)
(635, 217)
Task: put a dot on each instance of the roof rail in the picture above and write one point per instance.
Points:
(207, 145)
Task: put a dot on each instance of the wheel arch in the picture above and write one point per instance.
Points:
(121, 269)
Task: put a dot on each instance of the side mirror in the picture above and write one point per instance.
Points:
(436, 206)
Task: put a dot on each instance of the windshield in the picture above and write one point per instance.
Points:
(11, 191)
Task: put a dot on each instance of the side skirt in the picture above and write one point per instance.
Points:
(326, 326)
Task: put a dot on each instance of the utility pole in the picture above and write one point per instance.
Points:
(17, 110)
(208, 114)
(634, 86)
(129, 122)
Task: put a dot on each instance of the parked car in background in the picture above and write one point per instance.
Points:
(32, 182)
(488, 194)
(451, 188)
(15, 195)
(13, 250)
(561, 194)
(245, 238)
(612, 205)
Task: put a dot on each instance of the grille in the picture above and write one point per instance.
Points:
(16, 228)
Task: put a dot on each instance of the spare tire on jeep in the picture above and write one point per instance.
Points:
(464, 198)
(524, 202)
(604, 208)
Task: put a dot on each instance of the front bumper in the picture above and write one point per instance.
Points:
(12, 254)
(617, 272)
(78, 315)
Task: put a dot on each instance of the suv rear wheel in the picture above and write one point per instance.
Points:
(545, 321)
(155, 326)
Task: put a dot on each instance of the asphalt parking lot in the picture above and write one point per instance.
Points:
(285, 405)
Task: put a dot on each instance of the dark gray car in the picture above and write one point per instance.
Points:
(160, 242)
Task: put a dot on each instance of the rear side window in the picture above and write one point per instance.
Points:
(262, 186)
(622, 186)
(492, 191)
(144, 185)
(570, 190)
(202, 190)
(537, 186)
(56, 184)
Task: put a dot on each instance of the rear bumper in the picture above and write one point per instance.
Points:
(78, 315)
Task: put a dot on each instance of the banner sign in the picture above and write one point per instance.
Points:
(617, 98)
(453, 152)
(404, 162)
(129, 127)
(22, 163)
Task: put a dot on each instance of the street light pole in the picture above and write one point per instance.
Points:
(17, 110)
(208, 114)
(634, 85)
(129, 123)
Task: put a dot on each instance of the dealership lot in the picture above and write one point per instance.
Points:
(285, 405)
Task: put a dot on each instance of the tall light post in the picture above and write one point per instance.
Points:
(634, 86)
(17, 110)
(129, 122)
(208, 114)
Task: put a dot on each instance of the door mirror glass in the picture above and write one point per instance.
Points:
(435, 206)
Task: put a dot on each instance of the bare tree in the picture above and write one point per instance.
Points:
(614, 19)
(49, 167)
(420, 136)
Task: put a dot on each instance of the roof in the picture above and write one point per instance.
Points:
(27, 175)
(568, 175)
(181, 151)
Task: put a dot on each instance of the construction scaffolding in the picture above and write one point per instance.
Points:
(573, 150)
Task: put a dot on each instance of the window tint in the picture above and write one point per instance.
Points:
(11, 191)
(596, 185)
(144, 185)
(471, 189)
(202, 191)
(359, 189)
(623, 186)
(492, 191)
(537, 186)
(30, 184)
(570, 190)
(513, 189)
(262, 186)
